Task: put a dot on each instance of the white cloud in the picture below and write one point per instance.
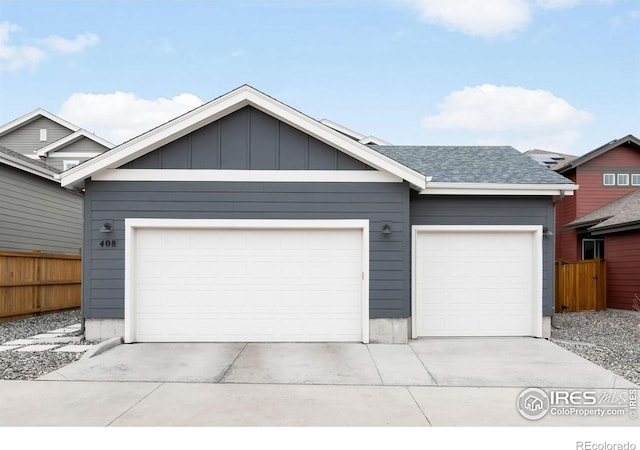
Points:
(76, 45)
(16, 57)
(486, 18)
(120, 116)
(510, 114)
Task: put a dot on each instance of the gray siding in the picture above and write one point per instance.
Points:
(82, 145)
(37, 213)
(472, 210)
(380, 203)
(26, 139)
(247, 139)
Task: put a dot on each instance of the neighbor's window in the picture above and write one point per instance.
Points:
(609, 179)
(43, 135)
(68, 164)
(623, 179)
(635, 179)
(592, 248)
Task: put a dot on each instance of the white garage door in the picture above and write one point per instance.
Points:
(246, 285)
(477, 281)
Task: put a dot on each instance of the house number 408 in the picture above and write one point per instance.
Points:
(112, 243)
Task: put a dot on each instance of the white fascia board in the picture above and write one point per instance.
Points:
(276, 176)
(222, 106)
(75, 154)
(17, 123)
(344, 130)
(60, 143)
(440, 188)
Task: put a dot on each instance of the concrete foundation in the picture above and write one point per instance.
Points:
(103, 329)
(389, 331)
(546, 327)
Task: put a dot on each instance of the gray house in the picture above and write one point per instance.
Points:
(35, 211)
(246, 220)
(45, 137)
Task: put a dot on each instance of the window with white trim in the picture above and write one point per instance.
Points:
(43, 135)
(623, 179)
(592, 248)
(609, 179)
(69, 163)
(635, 179)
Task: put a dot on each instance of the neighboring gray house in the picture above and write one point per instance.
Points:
(246, 220)
(35, 211)
(43, 136)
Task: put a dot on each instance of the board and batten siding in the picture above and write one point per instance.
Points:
(26, 139)
(247, 139)
(490, 210)
(380, 203)
(38, 214)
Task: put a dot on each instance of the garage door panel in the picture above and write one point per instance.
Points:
(248, 285)
(474, 282)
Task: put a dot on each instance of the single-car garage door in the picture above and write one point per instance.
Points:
(245, 281)
(477, 281)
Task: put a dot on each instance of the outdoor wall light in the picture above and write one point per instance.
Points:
(386, 229)
(106, 228)
(546, 232)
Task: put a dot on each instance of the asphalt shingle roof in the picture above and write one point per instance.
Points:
(622, 212)
(28, 161)
(472, 164)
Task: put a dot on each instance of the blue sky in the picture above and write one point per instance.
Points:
(561, 75)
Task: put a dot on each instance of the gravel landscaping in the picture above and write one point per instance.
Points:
(607, 338)
(31, 365)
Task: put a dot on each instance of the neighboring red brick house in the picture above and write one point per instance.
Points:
(602, 218)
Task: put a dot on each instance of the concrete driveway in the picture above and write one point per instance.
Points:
(453, 362)
(429, 382)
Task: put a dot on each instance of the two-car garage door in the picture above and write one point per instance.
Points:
(208, 281)
(477, 281)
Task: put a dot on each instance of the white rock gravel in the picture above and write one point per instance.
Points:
(608, 338)
(22, 364)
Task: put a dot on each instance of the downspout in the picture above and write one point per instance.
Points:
(559, 199)
(555, 202)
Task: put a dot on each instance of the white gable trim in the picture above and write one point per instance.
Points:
(291, 176)
(221, 107)
(19, 122)
(60, 143)
(440, 188)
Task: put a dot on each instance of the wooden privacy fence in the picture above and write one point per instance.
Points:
(581, 285)
(32, 283)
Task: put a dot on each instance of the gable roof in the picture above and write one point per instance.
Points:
(36, 167)
(210, 112)
(620, 215)
(478, 167)
(70, 139)
(430, 170)
(628, 139)
(33, 115)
